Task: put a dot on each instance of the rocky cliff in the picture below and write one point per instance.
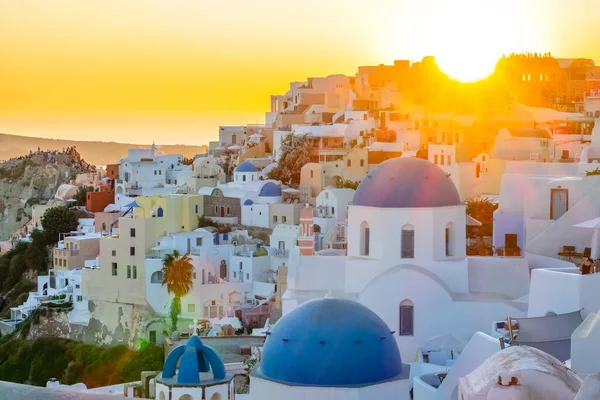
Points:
(109, 324)
(30, 180)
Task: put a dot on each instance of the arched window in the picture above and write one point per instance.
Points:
(449, 239)
(406, 326)
(160, 212)
(364, 238)
(196, 208)
(407, 247)
(216, 396)
(156, 277)
(161, 396)
(186, 397)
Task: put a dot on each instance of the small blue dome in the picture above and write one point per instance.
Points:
(246, 166)
(248, 202)
(270, 189)
(195, 358)
(406, 183)
(330, 342)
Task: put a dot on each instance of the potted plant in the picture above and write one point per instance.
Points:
(482, 249)
(500, 251)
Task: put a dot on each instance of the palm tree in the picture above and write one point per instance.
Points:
(177, 275)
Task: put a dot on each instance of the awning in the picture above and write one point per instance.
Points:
(472, 221)
(133, 204)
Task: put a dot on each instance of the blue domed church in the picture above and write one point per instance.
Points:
(330, 348)
(194, 371)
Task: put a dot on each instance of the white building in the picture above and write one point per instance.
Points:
(406, 260)
(144, 173)
(332, 208)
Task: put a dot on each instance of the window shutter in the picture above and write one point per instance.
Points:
(406, 320)
(408, 244)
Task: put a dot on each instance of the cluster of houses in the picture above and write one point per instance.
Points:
(374, 279)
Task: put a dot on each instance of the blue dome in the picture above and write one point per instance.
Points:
(248, 202)
(195, 358)
(406, 183)
(246, 166)
(330, 342)
(270, 189)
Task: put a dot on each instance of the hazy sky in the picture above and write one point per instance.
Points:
(173, 70)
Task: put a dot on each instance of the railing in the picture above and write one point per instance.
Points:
(66, 252)
(280, 252)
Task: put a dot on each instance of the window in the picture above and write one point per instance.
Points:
(228, 210)
(56, 261)
(114, 269)
(332, 210)
(114, 253)
(234, 275)
(442, 159)
(160, 212)
(284, 219)
(247, 275)
(449, 239)
(364, 238)
(134, 272)
(449, 160)
(129, 272)
(274, 219)
(132, 251)
(435, 159)
(241, 265)
(194, 275)
(154, 172)
(349, 163)
(408, 242)
(191, 308)
(362, 163)
(156, 277)
(312, 174)
(160, 172)
(196, 208)
(244, 178)
(77, 286)
(132, 232)
(198, 242)
(79, 298)
(406, 318)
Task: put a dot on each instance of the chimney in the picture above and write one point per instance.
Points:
(306, 239)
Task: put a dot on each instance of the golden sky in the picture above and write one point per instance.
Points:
(173, 70)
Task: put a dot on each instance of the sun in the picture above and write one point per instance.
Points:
(466, 69)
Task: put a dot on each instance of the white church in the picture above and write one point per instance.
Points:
(406, 260)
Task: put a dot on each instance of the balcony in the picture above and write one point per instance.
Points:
(279, 252)
(65, 252)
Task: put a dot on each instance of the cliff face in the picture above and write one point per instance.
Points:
(109, 324)
(30, 180)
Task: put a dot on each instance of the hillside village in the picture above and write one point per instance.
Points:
(425, 255)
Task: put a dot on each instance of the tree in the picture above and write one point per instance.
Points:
(295, 153)
(81, 195)
(57, 220)
(482, 210)
(177, 276)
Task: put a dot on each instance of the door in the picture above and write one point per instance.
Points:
(222, 211)
(152, 337)
(559, 202)
(510, 241)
